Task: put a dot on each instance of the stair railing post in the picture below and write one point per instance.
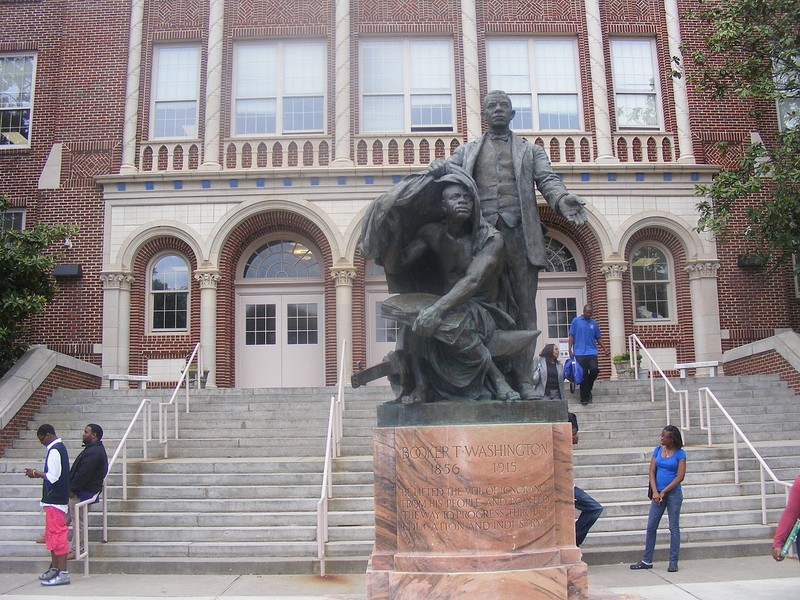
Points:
(125, 470)
(735, 455)
(763, 494)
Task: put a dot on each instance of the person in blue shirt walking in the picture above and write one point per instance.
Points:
(584, 339)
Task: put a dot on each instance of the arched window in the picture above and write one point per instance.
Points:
(559, 258)
(169, 293)
(282, 259)
(651, 275)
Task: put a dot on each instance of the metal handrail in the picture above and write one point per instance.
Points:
(703, 394)
(183, 381)
(634, 344)
(81, 530)
(332, 450)
(122, 449)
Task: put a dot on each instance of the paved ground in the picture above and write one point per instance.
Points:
(758, 578)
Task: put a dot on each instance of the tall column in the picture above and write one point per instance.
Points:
(208, 322)
(342, 86)
(343, 277)
(116, 321)
(216, 21)
(597, 66)
(685, 150)
(613, 272)
(472, 83)
(128, 165)
(705, 309)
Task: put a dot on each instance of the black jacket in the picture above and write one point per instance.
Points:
(89, 469)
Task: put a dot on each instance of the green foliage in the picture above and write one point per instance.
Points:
(625, 357)
(25, 269)
(752, 51)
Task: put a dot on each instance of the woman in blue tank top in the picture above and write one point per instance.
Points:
(667, 470)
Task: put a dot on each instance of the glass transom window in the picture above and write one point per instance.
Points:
(652, 283)
(176, 89)
(282, 259)
(16, 99)
(540, 77)
(407, 85)
(279, 87)
(559, 257)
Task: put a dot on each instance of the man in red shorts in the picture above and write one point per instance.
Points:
(55, 498)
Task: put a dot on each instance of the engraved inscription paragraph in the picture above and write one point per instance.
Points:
(486, 488)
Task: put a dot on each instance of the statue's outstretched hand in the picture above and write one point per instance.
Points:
(572, 208)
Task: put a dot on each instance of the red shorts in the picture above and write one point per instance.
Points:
(55, 530)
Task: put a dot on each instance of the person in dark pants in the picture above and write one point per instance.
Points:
(584, 339)
(589, 508)
(89, 469)
(55, 496)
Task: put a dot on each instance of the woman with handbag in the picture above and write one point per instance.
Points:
(667, 470)
(548, 374)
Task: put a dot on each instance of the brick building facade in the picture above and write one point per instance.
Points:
(219, 157)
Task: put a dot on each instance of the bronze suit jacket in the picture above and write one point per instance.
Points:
(531, 167)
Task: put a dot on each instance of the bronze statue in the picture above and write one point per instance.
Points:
(506, 168)
(448, 265)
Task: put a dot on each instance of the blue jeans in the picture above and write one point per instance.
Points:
(672, 504)
(590, 510)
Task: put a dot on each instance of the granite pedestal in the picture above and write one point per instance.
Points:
(471, 509)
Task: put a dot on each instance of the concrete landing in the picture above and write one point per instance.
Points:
(751, 578)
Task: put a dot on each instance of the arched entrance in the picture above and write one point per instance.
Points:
(561, 296)
(280, 315)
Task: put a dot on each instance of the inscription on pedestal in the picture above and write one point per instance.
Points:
(478, 492)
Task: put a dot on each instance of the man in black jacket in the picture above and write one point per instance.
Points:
(89, 469)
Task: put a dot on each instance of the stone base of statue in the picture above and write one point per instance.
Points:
(474, 508)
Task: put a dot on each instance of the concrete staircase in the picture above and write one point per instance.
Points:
(719, 517)
(238, 493)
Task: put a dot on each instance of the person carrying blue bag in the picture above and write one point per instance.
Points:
(584, 339)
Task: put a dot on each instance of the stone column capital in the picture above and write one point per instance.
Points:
(207, 279)
(343, 275)
(614, 270)
(117, 280)
(702, 269)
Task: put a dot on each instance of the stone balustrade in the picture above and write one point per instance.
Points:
(414, 150)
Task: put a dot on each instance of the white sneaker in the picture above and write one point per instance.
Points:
(49, 574)
(61, 578)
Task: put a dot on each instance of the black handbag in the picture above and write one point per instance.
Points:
(650, 489)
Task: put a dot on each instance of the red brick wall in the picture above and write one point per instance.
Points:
(770, 362)
(60, 377)
(79, 98)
